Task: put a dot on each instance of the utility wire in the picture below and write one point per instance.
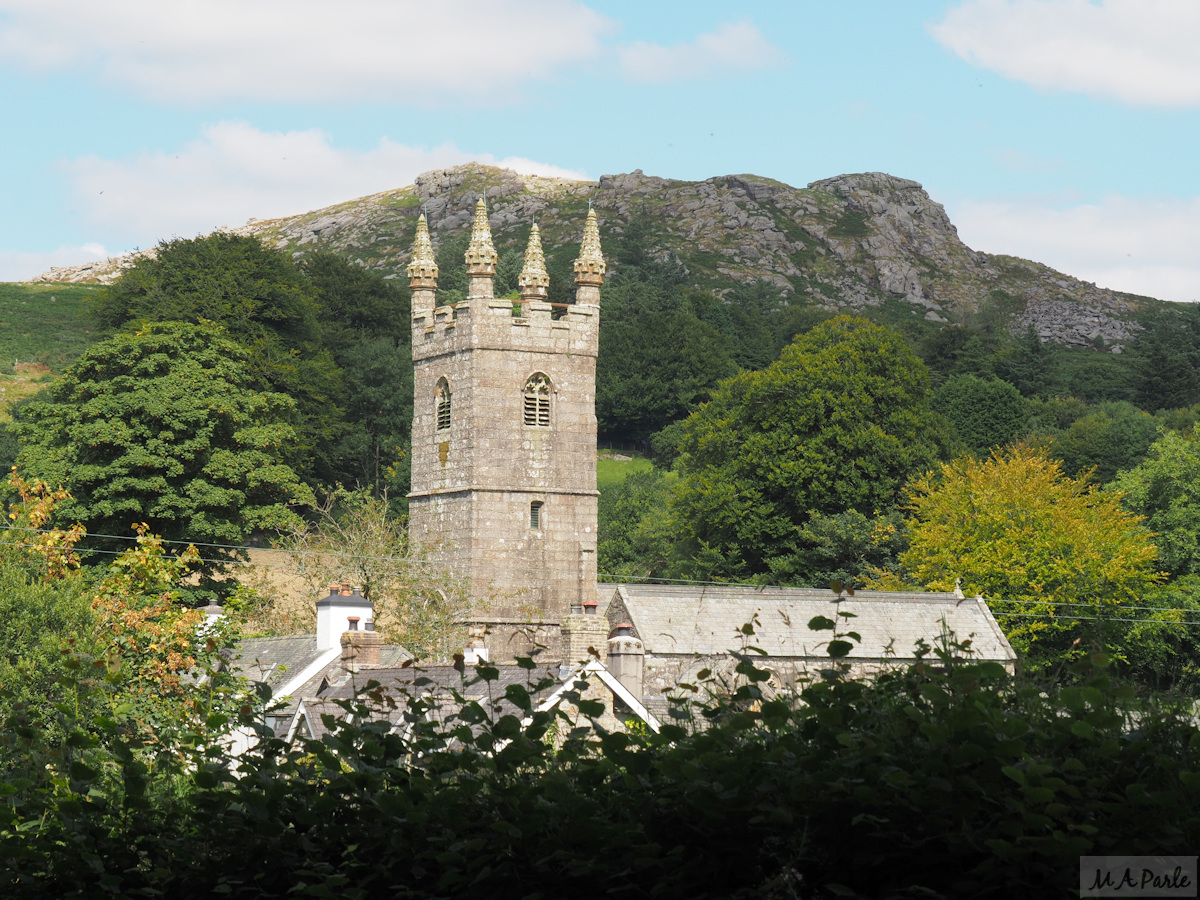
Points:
(428, 567)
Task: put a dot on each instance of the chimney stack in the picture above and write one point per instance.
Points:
(335, 611)
(360, 649)
(627, 659)
(583, 632)
(476, 650)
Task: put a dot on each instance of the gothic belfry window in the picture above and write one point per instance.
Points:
(442, 404)
(537, 401)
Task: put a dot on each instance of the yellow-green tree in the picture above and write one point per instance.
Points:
(1057, 558)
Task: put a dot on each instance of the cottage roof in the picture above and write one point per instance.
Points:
(443, 688)
(294, 667)
(707, 619)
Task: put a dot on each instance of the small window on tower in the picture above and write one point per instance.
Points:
(442, 404)
(535, 515)
(537, 401)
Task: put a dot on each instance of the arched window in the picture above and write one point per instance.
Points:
(536, 517)
(537, 401)
(442, 404)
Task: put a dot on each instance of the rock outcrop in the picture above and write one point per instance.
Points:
(847, 242)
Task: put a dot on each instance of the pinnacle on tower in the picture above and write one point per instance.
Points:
(481, 252)
(481, 256)
(422, 269)
(534, 280)
(589, 268)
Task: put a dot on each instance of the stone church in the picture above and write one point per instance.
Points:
(504, 495)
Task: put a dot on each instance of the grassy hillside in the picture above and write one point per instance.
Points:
(43, 327)
(43, 323)
(612, 469)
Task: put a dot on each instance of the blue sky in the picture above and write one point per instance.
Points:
(1060, 130)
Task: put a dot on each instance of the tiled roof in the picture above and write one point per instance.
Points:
(706, 619)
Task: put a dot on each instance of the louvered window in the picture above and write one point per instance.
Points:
(443, 405)
(535, 515)
(537, 401)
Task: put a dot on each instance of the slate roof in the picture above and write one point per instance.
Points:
(294, 668)
(685, 620)
(441, 686)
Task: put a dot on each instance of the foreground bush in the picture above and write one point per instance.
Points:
(942, 780)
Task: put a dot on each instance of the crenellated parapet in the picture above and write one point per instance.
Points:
(492, 325)
(484, 321)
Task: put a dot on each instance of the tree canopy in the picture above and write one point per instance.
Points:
(984, 412)
(323, 332)
(838, 423)
(1165, 488)
(1058, 558)
(162, 426)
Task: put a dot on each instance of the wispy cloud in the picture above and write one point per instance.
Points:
(17, 266)
(729, 48)
(306, 50)
(1143, 246)
(1138, 51)
(234, 171)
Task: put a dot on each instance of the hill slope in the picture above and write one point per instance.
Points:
(847, 242)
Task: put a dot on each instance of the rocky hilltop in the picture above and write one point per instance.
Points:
(843, 243)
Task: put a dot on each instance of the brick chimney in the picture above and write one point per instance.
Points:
(360, 648)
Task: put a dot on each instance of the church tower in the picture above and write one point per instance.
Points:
(504, 432)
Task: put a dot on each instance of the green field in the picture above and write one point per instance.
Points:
(611, 471)
(44, 323)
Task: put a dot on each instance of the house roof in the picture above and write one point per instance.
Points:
(707, 619)
(294, 667)
(444, 689)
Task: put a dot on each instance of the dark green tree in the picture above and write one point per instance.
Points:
(1027, 364)
(1111, 437)
(378, 399)
(655, 369)
(658, 361)
(838, 423)
(163, 426)
(1167, 355)
(354, 304)
(984, 412)
(265, 304)
(364, 323)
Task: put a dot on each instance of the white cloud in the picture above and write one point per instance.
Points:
(1139, 51)
(727, 48)
(306, 50)
(16, 265)
(235, 171)
(1124, 243)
